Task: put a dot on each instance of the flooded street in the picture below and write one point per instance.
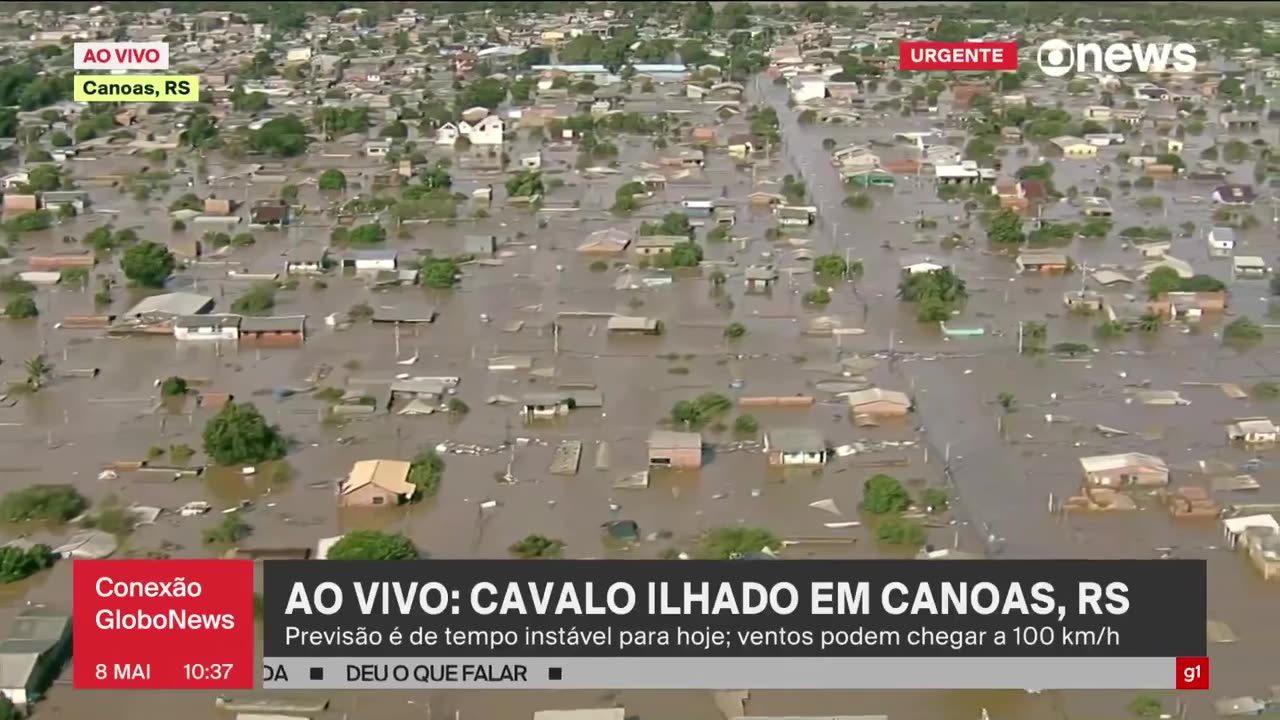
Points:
(1004, 468)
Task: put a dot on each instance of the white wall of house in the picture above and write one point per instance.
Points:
(446, 134)
(802, 458)
(488, 131)
(206, 333)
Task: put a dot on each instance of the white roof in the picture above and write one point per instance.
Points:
(582, 714)
(870, 395)
(178, 303)
(1255, 425)
(1102, 463)
(1237, 525)
(955, 171)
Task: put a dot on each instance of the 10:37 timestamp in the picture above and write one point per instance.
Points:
(197, 672)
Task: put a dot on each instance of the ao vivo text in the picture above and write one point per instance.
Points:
(122, 56)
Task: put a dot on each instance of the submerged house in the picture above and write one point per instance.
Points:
(878, 402)
(795, 446)
(34, 653)
(376, 482)
(1253, 431)
(760, 278)
(277, 331)
(545, 405)
(797, 215)
(680, 450)
(634, 325)
(269, 213)
(1125, 469)
(1045, 262)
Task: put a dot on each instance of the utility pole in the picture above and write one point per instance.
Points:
(1019, 337)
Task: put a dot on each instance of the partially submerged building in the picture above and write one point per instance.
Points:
(680, 450)
(376, 482)
(634, 325)
(878, 402)
(34, 653)
(1125, 469)
(795, 446)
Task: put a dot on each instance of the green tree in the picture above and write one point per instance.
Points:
(686, 254)
(39, 370)
(148, 264)
(173, 386)
(537, 547)
(673, 223)
(373, 545)
(1242, 330)
(44, 178)
(817, 296)
(526, 184)
(1146, 706)
(731, 543)
(935, 499)
(1034, 336)
(694, 414)
(43, 503)
(426, 470)
(884, 494)
(1005, 228)
(16, 564)
(484, 92)
(829, 267)
(230, 530)
(1163, 280)
(746, 425)
(700, 17)
(257, 300)
(366, 235)
(239, 435)
(332, 179)
(439, 273)
(900, 531)
(22, 307)
(201, 131)
(283, 137)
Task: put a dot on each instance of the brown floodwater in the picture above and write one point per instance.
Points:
(1003, 468)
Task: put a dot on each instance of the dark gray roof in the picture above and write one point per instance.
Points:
(284, 323)
(797, 440)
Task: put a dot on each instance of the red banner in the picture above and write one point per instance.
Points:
(163, 624)
(947, 57)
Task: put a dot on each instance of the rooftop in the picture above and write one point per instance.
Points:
(796, 440)
(175, 304)
(389, 475)
(668, 439)
(1104, 463)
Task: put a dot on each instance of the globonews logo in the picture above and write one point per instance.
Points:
(1058, 58)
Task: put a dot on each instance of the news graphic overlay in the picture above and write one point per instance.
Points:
(129, 66)
(585, 624)
(163, 624)
(920, 55)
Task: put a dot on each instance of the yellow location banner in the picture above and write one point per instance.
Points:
(137, 88)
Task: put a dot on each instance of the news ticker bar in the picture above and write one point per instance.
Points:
(797, 673)
(175, 624)
(661, 608)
